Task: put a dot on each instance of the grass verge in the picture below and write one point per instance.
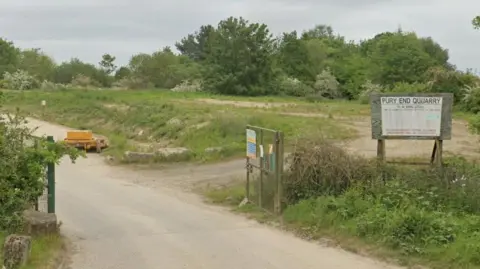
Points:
(146, 120)
(410, 216)
(46, 251)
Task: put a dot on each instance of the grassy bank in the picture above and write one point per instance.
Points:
(135, 119)
(418, 215)
(46, 251)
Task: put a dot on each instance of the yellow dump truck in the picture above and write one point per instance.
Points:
(84, 139)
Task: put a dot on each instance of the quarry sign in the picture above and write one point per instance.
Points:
(411, 116)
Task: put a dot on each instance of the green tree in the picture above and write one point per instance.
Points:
(397, 57)
(37, 63)
(239, 59)
(122, 72)
(194, 45)
(293, 57)
(67, 71)
(320, 31)
(436, 52)
(9, 56)
(476, 22)
(108, 63)
(163, 69)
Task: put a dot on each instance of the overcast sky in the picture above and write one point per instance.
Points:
(88, 28)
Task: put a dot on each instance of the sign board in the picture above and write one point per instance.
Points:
(44, 103)
(411, 116)
(251, 144)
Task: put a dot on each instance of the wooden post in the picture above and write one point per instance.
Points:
(439, 153)
(381, 150)
(434, 153)
(247, 186)
(278, 172)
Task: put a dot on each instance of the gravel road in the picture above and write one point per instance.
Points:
(115, 223)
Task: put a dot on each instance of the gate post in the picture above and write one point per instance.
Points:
(51, 182)
(278, 172)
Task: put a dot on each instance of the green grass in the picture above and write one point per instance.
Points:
(143, 116)
(228, 195)
(44, 251)
(412, 218)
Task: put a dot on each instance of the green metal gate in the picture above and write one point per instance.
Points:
(264, 157)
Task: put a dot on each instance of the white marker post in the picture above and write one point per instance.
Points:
(44, 104)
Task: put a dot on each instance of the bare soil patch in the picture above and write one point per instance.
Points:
(244, 103)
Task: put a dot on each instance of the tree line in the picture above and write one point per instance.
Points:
(238, 57)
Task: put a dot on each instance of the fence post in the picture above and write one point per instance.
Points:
(247, 187)
(262, 167)
(278, 171)
(51, 182)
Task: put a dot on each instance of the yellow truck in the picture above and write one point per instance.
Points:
(84, 139)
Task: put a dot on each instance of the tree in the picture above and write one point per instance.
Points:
(9, 56)
(319, 32)
(67, 71)
(398, 57)
(194, 45)
(37, 63)
(476, 22)
(163, 69)
(122, 72)
(107, 63)
(239, 58)
(293, 57)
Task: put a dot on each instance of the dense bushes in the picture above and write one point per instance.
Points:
(22, 169)
(20, 80)
(417, 211)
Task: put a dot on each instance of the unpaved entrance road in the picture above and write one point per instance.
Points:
(116, 224)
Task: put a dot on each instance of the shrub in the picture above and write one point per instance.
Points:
(48, 86)
(133, 83)
(293, 87)
(19, 80)
(327, 86)
(84, 81)
(22, 169)
(367, 89)
(401, 87)
(318, 167)
(423, 211)
(188, 86)
(471, 98)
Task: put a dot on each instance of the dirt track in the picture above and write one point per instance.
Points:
(115, 223)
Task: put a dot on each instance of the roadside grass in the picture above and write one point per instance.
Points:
(164, 118)
(45, 251)
(414, 216)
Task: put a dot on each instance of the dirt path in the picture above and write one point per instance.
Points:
(115, 223)
(463, 142)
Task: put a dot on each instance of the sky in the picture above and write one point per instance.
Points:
(89, 28)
